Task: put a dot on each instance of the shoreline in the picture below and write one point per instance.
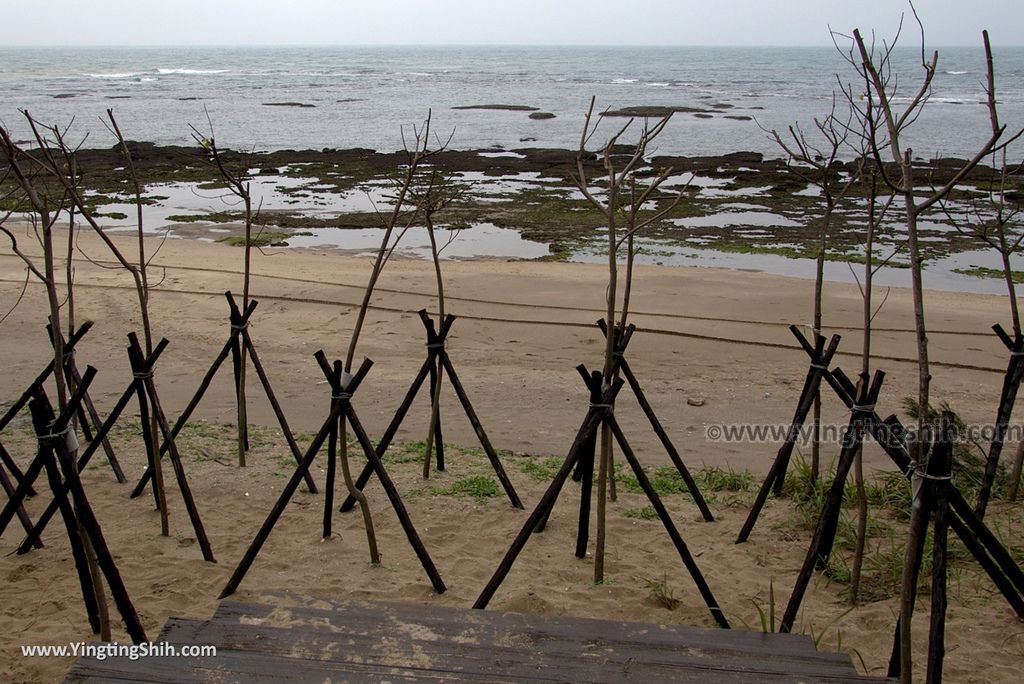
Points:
(739, 210)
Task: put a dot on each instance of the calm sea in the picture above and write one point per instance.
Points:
(361, 96)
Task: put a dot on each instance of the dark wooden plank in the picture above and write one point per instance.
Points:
(412, 644)
(350, 661)
(292, 638)
(452, 621)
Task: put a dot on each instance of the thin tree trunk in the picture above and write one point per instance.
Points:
(243, 416)
(435, 400)
(364, 507)
(819, 278)
(606, 378)
(857, 565)
(102, 610)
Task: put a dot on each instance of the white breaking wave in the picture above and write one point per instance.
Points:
(956, 73)
(192, 71)
(658, 85)
(624, 80)
(125, 74)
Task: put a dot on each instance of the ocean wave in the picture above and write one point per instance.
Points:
(955, 73)
(658, 85)
(937, 100)
(120, 74)
(192, 71)
(623, 80)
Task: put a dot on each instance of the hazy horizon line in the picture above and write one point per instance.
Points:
(471, 45)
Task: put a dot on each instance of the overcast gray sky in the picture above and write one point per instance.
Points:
(475, 22)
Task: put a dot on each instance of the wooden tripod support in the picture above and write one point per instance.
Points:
(341, 407)
(84, 457)
(142, 369)
(54, 455)
(622, 366)
(10, 490)
(821, 357)
(931, 492)
(437, 359)
(600, 413)
(891, 436)
(824, 537)
(88, 416)
(239, 335)
(143, 389)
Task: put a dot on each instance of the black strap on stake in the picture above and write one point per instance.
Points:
(143, 372)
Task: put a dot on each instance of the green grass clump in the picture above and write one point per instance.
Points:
(662, 593)
(665, 480)
(480, 487)
(641, 513)
(717, 479)
(541, 469)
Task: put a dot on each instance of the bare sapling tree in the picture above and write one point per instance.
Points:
(395, 225)
(622, 198)
(876, 68)
(995, 221)
(818, 163)
(45, 210)
(57, 158)
(238, 185)
(877, 210)
(437, 193)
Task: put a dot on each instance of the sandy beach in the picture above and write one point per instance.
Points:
(712, 348)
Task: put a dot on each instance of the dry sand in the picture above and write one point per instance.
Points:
(715, 335)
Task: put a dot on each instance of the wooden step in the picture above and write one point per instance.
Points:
(289, 638)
